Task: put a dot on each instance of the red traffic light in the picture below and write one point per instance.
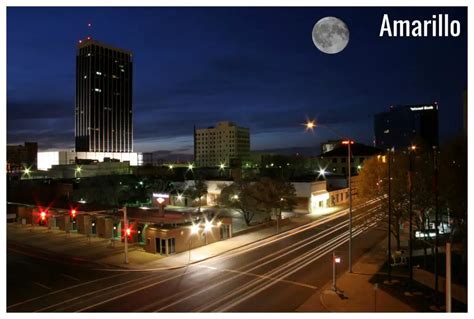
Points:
(43, 215)
(73, 213)
(128, 231)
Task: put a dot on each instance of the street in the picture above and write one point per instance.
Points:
(277, 274)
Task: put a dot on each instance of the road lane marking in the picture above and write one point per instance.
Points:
(234, 303)
(133, 281)
(128, 293)
(70, 277)
(43, 286)
(261, 276)
(316, 237)
(62, 290)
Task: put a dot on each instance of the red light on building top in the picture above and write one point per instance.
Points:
(346, 142)
(80, 41)
(88, 38)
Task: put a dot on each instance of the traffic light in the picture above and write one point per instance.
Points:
(129, 231)
(73, 213)
(42, 220)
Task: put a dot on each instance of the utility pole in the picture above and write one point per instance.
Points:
(350, 202)
(410, 212)
(435, 160)
(448, 277)
(125, 223)
(389, 216)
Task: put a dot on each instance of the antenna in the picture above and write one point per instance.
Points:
(89, 29)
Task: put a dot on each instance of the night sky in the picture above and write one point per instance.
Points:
(257, 67)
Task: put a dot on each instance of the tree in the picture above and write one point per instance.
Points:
(196, 191)
(273, 195)
(109, 190)
(453, 187)
(373, 183)
(237, 196)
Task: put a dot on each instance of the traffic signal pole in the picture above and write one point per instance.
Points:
(350, 203)
(125, 223)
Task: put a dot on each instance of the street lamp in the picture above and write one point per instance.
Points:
(194, 230)
(27, 172)
(207, 228)
(411, 150)
(335, 260)
(310, 126)
(77, 170)
(322, 172)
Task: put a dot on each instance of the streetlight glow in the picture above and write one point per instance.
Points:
(207, 226)
(222, 166)
(194, 229)
(322, 172)
(190, 167)
(310, 125)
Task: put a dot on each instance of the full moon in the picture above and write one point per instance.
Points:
(330, 35)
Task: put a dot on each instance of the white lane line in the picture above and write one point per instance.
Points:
(259, 263)
(61, 290)
(42, 286)
(260, 276)
(337, 241)
(248, 295)
(128, 293)
(70, 277)
(133, 281)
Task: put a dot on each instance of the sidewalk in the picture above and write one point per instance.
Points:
(357, 292)
(204, 252)
(103, 251)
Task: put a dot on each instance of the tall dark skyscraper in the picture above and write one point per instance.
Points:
(103, 98)
(403, 126)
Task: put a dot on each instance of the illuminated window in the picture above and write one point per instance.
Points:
(97, 90)
(98, 73)
(85, 76)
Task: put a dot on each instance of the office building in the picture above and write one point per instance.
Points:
(403, 126)
(225, 144)
(335, 161)
(103, 98)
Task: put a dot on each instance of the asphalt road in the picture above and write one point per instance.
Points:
(273, 275)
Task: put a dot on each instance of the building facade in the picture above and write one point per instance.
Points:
(335, 161)
(103, 110)
(20, 157)
(403, 126)
(225, 144)
(46, 160)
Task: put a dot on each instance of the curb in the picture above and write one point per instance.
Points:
(204, 259)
